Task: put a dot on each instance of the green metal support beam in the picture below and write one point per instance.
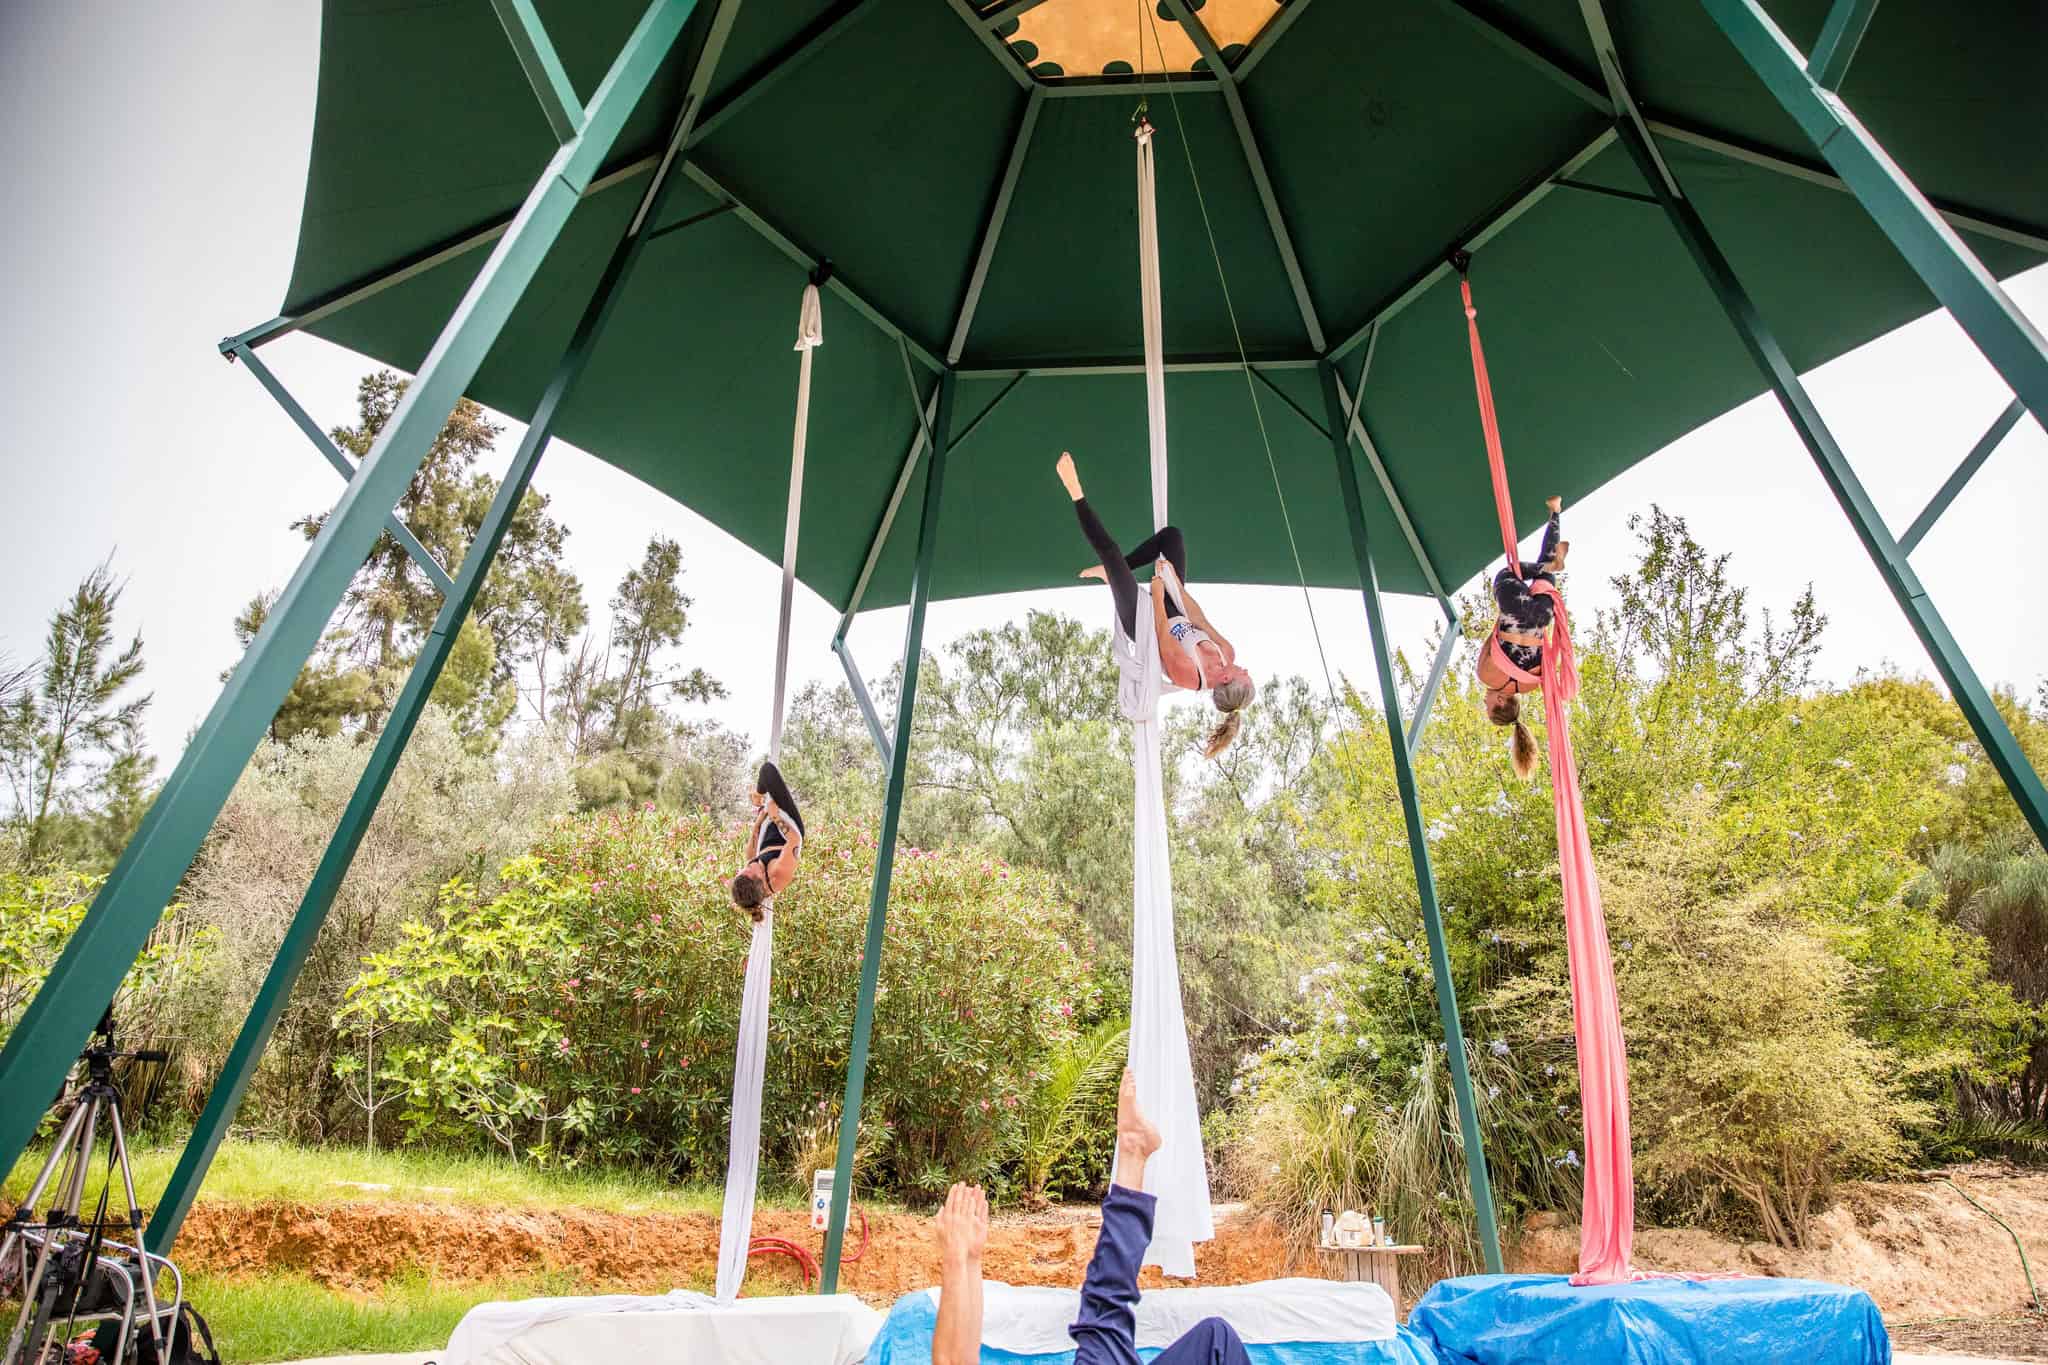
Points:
(1418, 847)
(1950, 270)
(417, 263)
(1255, 163)
(1426, 703)
(1964, 472)
(544, 70)
(1839, 38)
(40, 1051)
(225, 1099)
(1963, 217)
(859, 687)
(1970, 694)
(302, 419)
(885, 845)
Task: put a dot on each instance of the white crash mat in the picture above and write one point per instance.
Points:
(678, 1328)
(1026, 1320)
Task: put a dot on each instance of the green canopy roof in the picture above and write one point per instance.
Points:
(1391, 132)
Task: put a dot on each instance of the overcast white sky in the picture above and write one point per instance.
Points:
(154, 168)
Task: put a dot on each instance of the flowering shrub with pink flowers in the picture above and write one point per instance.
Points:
(588, 1011)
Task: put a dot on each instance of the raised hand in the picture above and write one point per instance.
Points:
(962, 1226)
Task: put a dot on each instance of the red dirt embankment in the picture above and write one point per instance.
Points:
(1919, 1248)
(361, 1245)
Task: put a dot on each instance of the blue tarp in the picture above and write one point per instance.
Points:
(1543, 1320)
(906, 1339)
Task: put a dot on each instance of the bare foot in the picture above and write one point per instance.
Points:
(1095, 571)
(1068, 477)
(1556, 564)
(1135, 1135)
(1554, 503)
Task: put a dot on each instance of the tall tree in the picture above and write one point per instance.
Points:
(612, 700)
(528, 607)
(73, 717)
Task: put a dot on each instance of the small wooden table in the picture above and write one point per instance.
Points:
(1381, 1265)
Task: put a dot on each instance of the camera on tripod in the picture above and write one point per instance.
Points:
(73, 1271)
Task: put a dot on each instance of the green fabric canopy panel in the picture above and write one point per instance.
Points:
(1391, 131)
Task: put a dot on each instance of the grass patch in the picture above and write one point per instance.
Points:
(258, 1318)
(251, 1172)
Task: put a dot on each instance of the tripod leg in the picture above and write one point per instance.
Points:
(120, 1145)
(26, 1210)
(74, 1196)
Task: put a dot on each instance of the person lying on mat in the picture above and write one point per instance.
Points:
(1106, 1333)
(777, 843)
(1518, 635)
(1192, 653)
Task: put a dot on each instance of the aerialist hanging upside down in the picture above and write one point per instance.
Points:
(1513, 655)
(777, 843)
(1106, 1333)
(1192, 653)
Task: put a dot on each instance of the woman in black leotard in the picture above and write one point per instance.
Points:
(777, 843)
(1519, 630)
(1192, 653)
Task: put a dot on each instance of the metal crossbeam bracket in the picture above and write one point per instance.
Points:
(1490, 225)
(997, 48)
(544, 71)
(1418, 846)
(787, 245)
(1255, 163)
(1970, 694)
(1838, 41)
(1955, 276)
(1509, 37)
(1265, 38)
(1964, 472)
(130, 902)
(780, 65)
(401, 533)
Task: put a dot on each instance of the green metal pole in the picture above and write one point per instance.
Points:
(233, 1082)
(885, 847)
(1954, 274)
(1949, 660)
(57, 1023)
(1418, 847)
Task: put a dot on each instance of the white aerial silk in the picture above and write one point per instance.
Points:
(750, 1060)
(1176, 1174)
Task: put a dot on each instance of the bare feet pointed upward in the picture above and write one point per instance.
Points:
(1068, 477)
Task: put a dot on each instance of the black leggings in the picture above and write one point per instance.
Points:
(770, 783)
(1167, 545)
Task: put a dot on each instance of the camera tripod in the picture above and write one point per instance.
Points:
(56, 1259)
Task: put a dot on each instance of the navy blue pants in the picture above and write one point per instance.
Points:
(1106, 1333)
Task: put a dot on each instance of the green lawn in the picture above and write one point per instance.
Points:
(247, 1172)
(286, 1315)
(289, 1317)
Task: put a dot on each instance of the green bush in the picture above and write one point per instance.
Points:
(588, 1011)
(162, 994)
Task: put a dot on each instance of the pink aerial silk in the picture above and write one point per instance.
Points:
(1607, 1222)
